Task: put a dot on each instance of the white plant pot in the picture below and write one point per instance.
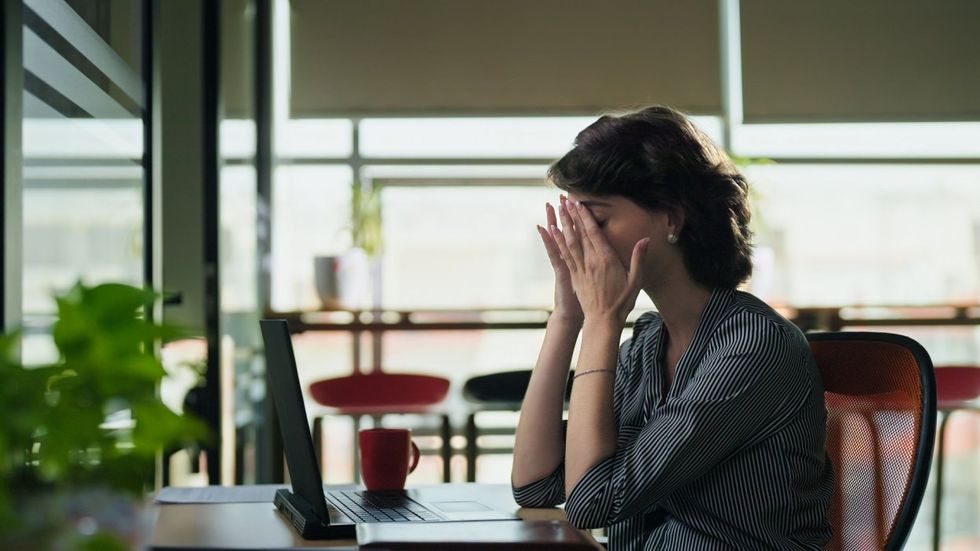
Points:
(342, 281)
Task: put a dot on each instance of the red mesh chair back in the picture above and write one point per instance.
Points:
(881, 421)
(376, 392)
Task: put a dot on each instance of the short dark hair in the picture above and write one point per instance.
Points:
(658, 159)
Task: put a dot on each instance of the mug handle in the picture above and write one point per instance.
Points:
(415, 456)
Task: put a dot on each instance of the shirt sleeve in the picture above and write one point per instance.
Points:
(738, 393)
(547, 492)
(550, 490)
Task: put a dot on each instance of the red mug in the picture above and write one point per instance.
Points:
(387, 456)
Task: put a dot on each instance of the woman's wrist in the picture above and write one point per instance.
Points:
(602, 325)
(568, 320)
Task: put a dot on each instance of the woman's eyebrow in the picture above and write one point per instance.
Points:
(591, 204)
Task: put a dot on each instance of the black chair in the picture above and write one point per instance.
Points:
(502, 391)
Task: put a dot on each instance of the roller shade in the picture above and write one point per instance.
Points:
(237, 58)
(502, 55)
(872, 60)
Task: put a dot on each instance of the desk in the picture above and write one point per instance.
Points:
(241, 526)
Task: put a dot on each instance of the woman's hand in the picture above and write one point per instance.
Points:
(567, 307)
(606, 290)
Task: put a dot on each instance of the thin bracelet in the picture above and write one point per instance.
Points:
(586, 372)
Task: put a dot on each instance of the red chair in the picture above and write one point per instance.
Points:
(957, 388)
(370, 393)
(378, 394)
(881, 426)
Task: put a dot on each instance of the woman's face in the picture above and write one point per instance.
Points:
(623, 222)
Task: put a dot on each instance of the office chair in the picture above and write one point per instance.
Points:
(881, 425)
(377, 394)
(502, 391)
(957, 388)
(378, 391)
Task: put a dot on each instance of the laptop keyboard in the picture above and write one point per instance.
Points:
(395, 506)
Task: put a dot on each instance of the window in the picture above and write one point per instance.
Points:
(869, 234)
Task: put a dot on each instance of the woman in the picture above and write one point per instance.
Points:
(707, 429)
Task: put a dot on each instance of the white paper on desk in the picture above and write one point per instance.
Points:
(258, 493)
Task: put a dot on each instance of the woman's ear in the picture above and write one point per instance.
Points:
(675, 220)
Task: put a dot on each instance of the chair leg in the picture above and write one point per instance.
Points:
(446, 434)
(471, 451)
(937, 510)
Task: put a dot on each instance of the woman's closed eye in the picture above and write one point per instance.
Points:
(601, 223)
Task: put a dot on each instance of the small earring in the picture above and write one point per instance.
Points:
(671, 238)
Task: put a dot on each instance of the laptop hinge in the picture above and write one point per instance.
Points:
(306, 521)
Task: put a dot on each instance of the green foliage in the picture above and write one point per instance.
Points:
(365, 226)
(53, 432)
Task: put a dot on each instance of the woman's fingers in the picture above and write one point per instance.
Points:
(593, 240)
(550, 241)
(560, 240)
(573, 241)
(554, 255)
(550, 213)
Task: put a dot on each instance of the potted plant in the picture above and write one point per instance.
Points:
(79, 438)
(342, 281)
(365, 227)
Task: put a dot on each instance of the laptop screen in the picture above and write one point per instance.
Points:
(288, 396)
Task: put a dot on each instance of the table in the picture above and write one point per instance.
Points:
(257, 525)
(376, 322)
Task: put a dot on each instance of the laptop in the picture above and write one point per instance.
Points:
(334, 514)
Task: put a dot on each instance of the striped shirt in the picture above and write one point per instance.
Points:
(732, 456)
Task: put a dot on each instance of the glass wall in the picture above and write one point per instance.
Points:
(83, 198)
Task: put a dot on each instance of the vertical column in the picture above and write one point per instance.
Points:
(731, 69)
(149, 267)
(185, 193)
(270, 468)
(11, 163)
(152, 254)
(211, 96)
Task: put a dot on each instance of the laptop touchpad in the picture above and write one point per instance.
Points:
(459, 506)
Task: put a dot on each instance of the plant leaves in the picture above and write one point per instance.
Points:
(53, 424)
